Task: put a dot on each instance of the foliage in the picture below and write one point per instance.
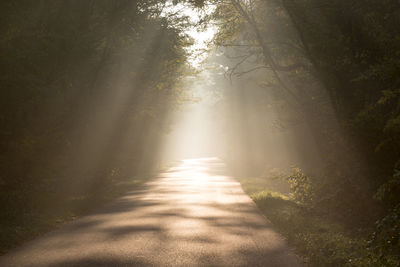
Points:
(385, 240)
(388, 192)
(317, 237)
(301, 186)
(86, 87)
(334, 67)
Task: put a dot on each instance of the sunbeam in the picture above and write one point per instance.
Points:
(185, 114)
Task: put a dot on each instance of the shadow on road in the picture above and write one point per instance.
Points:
(191, 215)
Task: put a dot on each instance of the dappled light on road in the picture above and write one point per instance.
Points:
(180, 113)
(192, 214)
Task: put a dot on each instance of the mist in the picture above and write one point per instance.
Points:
(292, 104)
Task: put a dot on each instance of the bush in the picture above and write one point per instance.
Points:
(301, 187)
(385, 240)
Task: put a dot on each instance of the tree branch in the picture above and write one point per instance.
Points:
(238, 74)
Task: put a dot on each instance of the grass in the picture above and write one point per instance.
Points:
(56, 211)
(317, 238)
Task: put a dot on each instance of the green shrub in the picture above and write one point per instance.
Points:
(301, 187)
(385, 240)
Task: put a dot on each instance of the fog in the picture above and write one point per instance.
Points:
(195, 129)
(100, 96)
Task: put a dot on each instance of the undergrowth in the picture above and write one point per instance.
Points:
(55, 210)
(317, 237)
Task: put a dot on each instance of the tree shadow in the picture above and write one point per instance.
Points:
(100, 262)
(220, 229)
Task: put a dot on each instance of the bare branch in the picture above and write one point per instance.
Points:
(232, 70)
(267, 54)
(238, 74)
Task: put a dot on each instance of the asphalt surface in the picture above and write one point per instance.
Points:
(191, 215)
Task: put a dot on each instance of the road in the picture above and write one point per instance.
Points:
(191, 215)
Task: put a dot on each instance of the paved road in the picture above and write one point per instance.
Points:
(192, 215)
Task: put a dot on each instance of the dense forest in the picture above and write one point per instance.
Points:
(87, 87)
(85, 91)
(325, 74)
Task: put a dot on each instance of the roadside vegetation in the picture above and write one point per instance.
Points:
(85, 92)
(316, 235)
(52, 211)
(315, 84)
(87, 87)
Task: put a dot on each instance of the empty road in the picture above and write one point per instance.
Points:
(191, 215)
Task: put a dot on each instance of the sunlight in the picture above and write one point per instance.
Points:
(193, 112)
(195, 130)
(195, 172)
(198, 52)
